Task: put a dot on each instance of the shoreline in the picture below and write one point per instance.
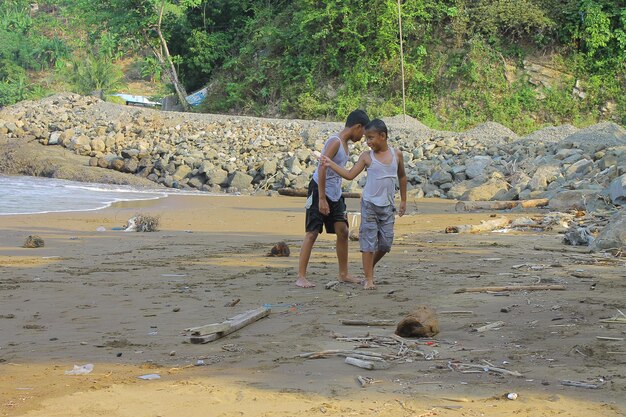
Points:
(122, 300)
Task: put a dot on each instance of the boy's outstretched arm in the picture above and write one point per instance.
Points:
(356, 169)
(402, 180)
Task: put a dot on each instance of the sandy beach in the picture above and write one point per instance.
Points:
(122, 301)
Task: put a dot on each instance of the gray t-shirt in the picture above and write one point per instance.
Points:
(333, 180)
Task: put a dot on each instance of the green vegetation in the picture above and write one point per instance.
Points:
(521, 63)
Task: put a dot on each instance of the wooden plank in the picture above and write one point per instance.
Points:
(489, 326)
(564, 248)
(484, 226)
(512, 288)
(368, 322)
(235, 323)
(209, 328)
(499, 205)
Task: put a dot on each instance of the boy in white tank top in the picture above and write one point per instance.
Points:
(385, 167)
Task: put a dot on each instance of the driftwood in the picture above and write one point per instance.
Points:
(611, 339)
(512, 288)
(457, 312)
(499, 205)
(368, 322)
(562, 249)
(372, 356)
(211, 332)
(614, 320)
(360, 363)
(302, 192)
(489, 368)
(484, 226)
(489, 326)
(580, 384)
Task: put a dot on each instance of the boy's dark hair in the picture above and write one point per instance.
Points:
(377, 125)
(357, 117)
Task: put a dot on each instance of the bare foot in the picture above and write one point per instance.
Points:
(304, 283)
(369, 285)
(351, 279)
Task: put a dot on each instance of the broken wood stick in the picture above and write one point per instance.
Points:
(562, 249)
(457, 312)
(488, 326)
(359, 363)
(368, 322)
(580, 384)
(512, 288)
(484, 226)
(499, 205)
(491, 368)
(369, 365)
(340, 352)
(611, 339)
(303, 192)
(232, 303)
(200, 335)
(615, 320)
(363, 381)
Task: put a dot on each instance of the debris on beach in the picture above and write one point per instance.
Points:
(421, 322)
(80, 369)
(279, 249)
(214, 331)
(33, 241)
(354, 227)
(142, 223)
(511, 288)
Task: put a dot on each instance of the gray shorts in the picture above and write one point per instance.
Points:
(376, 230)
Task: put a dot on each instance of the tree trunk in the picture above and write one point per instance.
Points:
(166, 62)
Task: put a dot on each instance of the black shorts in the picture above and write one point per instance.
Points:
(315, 220)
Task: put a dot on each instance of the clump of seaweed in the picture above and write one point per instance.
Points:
(142, 223)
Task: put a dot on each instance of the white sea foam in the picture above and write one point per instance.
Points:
(29, 195)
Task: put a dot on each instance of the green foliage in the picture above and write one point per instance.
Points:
(322, 59)
(91, 73)
(151, 69)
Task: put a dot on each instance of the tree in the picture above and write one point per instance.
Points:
(141, 23)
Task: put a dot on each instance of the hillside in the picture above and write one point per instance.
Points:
(524, 64)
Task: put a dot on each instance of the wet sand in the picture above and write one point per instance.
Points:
(122, 300)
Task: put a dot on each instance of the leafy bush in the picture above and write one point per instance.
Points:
(90, 73)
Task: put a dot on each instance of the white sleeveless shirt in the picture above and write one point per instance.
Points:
(333, 180)
(380, 187)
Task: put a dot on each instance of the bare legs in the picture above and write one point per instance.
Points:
(303, 262)
(341, 229)
(370, 259)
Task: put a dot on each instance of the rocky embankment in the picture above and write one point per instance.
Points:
(574, 168)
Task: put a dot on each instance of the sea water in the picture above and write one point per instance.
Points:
(27, 195)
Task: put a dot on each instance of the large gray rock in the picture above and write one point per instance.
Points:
(494, 189)
(181, 172)
(477, 166)
(613, 236)
(617, 190)
(543, 176)
(440, 177)
(217, 176)
(241, 181)
(573, 200)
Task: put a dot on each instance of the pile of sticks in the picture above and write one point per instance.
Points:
(397, 350)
